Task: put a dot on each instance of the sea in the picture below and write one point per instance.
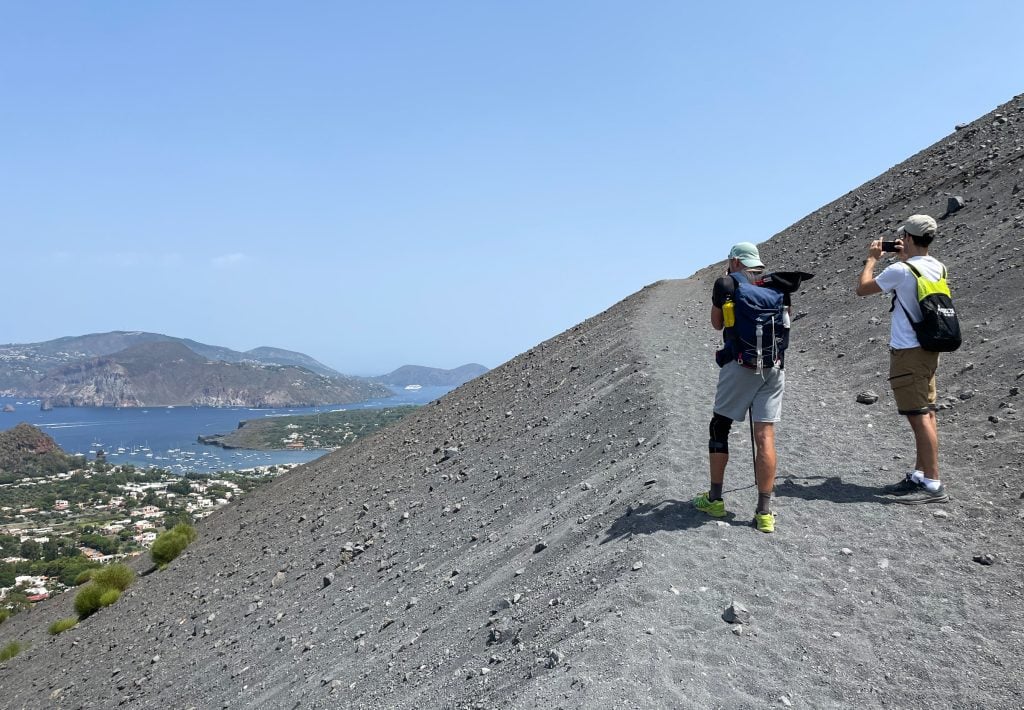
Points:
(166, 437)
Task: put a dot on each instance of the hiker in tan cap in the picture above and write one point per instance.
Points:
(912, 367)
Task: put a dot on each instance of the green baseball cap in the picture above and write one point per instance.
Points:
(746, 253)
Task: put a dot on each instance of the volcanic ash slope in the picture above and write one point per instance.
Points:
(527, 541)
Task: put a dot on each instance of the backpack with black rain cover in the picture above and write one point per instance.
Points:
(938, 331)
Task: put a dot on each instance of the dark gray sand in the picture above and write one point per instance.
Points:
(528, 541)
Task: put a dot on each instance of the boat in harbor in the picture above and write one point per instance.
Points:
(414, 387)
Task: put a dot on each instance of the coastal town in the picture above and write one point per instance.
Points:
(53, 527)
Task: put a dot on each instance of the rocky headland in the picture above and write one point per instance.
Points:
(167, 373)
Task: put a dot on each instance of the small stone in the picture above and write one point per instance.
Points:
(993, 418)
(638, 566)
(738, 630)
(867, 397)
(836, 634)
(540, 547)
(328, 580)
(736, 613)
(990, 435)
(966, 395)
(846, 551)
(1014, 391)
(786, 701)
(985, 559)
(940, 514)
(954, 204)
(521, 570)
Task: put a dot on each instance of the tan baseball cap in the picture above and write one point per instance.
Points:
(919, 225)
(746, 253)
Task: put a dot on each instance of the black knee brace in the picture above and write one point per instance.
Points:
(719, 432)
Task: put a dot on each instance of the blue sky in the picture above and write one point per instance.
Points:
(379, 184)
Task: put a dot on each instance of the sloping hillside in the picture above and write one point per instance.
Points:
(23, 365)
(169, 373)
(527, 541)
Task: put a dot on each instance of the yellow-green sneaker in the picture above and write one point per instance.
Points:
(714, 508)
(764, 522)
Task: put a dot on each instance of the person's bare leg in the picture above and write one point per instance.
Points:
(926, 442)
(764, 462)
(718, 463)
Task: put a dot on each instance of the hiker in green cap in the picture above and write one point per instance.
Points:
(912, 367)
(755, 324)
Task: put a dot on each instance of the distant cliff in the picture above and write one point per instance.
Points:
(164, 373)
(22, 365)
(432, 376)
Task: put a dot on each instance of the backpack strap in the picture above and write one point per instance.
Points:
(895, 293)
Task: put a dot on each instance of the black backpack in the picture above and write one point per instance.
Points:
(938, 331)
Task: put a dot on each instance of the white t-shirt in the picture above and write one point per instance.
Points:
(901, 279)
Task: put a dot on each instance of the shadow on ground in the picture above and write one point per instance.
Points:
(830, 488)
(674, 514)
(667, 515)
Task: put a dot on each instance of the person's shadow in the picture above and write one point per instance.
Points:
(667, 515)
(673, 514)
(830, 488)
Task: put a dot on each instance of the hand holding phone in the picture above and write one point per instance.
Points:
(893, 246)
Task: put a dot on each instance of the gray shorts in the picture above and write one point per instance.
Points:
(741, 388)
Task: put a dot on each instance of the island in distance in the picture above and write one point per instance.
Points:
(411, 375)
(140, 369)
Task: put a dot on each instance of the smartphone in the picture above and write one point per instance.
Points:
(889, 246)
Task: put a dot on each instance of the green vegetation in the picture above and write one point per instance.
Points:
(117, 576)
(109, 596)
(168, 545)
(62, 625)
(103, 589)
(83, 577)
(10, 651)
(5, 614)
(327, 430)
(87, 602)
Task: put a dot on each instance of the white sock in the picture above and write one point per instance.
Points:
(929, 483)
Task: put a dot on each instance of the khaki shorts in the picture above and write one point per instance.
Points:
(912, 378)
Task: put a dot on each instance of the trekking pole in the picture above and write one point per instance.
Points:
(753, 446)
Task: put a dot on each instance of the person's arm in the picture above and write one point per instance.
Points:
(717, 319)
(867, 285)
(719, 294)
